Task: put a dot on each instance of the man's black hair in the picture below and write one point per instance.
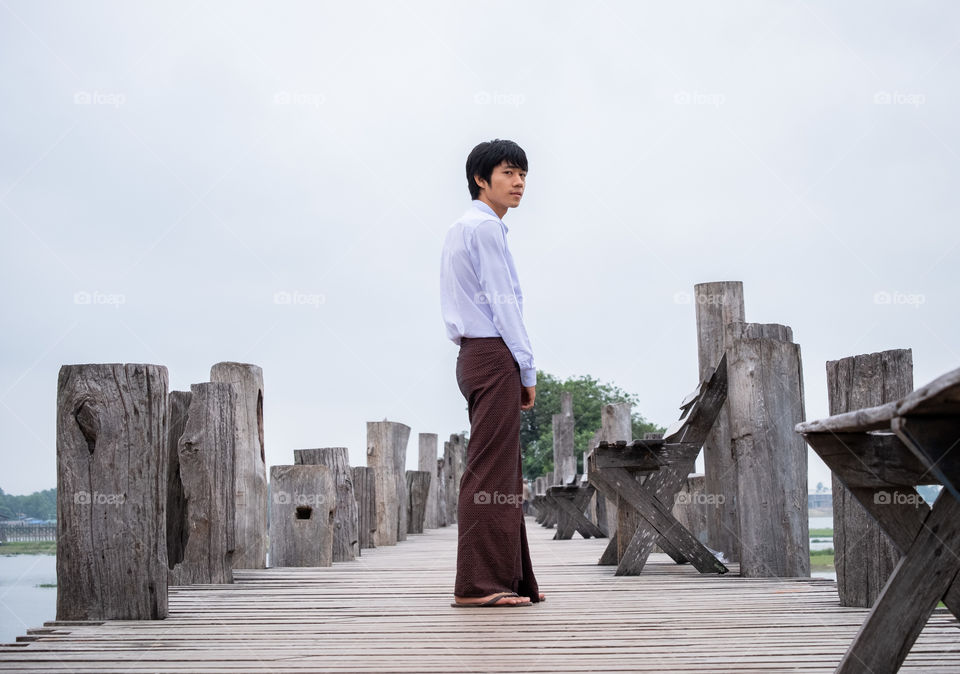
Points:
(487, 156)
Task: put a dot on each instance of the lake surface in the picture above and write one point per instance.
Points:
(23, 605)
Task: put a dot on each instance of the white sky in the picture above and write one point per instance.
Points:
(194, 160)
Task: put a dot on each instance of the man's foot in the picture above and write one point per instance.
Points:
(504, 599)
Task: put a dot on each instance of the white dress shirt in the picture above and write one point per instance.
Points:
(479, 291)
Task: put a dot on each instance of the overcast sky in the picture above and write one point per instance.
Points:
(167, 169)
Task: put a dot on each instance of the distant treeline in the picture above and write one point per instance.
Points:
(41, 505)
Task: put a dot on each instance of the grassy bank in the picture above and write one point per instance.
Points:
(821, 533)
(822, 560)
(29, 548)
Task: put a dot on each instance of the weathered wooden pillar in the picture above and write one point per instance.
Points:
(250, 469)
(177, 530)
(206, 452)
(302, 515)
(111, 491)
(387, 455)
(864, 555)
(418, 490)
(346, 539)
(616, 425)
(564, 461)
(765, 403)
(427, 461)
(455, 460)
(439, 478)
(717, 304)
(598, 504)
(365, 491)
(691, 504)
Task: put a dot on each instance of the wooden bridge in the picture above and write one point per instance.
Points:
(389, 611)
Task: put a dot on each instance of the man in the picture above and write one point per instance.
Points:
(482, 308)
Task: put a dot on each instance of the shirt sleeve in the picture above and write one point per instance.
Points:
(489, 248)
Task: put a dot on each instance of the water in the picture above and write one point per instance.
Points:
(824, 543)
(23, 605)
(821, 522)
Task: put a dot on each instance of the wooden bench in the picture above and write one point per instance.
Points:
(881, 454)
(569, 501)
(647, 475)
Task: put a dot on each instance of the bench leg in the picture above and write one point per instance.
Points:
(921, 579)
(660, 518)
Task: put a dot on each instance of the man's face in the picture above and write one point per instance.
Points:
(505, 188)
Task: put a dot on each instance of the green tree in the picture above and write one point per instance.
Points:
(589, 397)
(40, 505)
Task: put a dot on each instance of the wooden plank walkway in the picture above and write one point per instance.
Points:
(390, 612)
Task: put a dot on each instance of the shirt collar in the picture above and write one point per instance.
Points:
(486, 209)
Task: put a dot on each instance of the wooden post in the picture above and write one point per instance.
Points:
(455, 460)
(427, 461)
(765, 403)
(346, 539)
(206, 451)
(111, 491)
(302, 515)
(418, 490)
(690, 506)
(177, 530)
(716, 305)
(440, 479)
(564, 461)
(387, 455)
(365, 491)
(864, 555)
(598, 504)
(616, 426)
(250, 470)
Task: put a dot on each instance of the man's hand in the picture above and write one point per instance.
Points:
(527, 396)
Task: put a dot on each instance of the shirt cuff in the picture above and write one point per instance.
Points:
(528, 377)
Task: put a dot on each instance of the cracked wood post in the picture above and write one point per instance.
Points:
(616, 425)
(386, 454)
(439, 477)
(865, 556)
(206, 452)
(716, 305)
(418, 488)
(111, 492)
(455, 461)
(177, 530)
(365, 491)
(564, 461)
(301, 515)
(691, 505)
(765, 403)
(250, 469)
(427, 461)
(346, 540)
